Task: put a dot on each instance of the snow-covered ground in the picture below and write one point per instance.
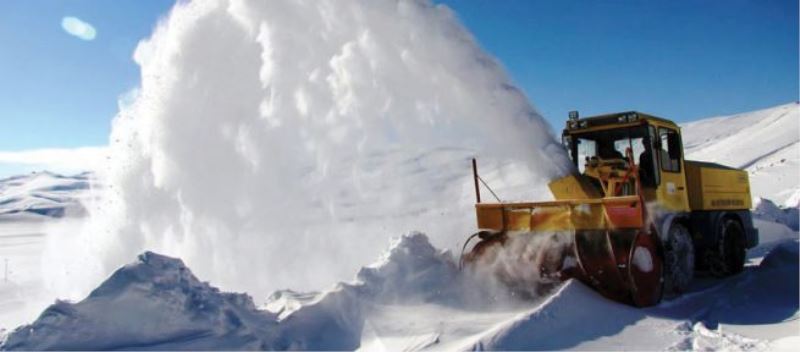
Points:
(412, 298)
(416, 298)
(280, 144)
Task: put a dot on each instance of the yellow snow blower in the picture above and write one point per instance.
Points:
(642, 220)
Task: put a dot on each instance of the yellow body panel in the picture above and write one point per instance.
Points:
(573, 187)
(715, 187)
(671, 194)
(575, 214)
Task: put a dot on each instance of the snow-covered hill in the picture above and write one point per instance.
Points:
(765, 142)
(44, 194)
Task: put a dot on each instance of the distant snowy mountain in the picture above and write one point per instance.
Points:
(765, 142)
(44, 194)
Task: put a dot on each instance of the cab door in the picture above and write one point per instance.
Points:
(671, 192)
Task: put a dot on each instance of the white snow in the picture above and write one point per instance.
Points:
(303, 135)
(642, 259)
(278, 144)
(767, 210)
(412, 298)
(765, 142)
(45, 194)
(415, 298)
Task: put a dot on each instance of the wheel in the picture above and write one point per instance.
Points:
(729, 255)
(678, 260)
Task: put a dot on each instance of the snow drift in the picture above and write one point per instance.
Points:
(301, 135)
(767, 210)
(157, 303)
(413, 298)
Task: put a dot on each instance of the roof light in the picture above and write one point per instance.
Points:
(573, 115)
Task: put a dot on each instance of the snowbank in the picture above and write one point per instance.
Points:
(415, 298)
(157, 303)
(152, 302)
(765, 209)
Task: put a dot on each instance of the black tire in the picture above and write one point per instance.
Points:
(729, 257)
(679, 260)
(734, 246)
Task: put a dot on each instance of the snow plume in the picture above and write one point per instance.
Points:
(527, 264)
(278, 144)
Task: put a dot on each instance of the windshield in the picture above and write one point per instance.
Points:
(608, 144)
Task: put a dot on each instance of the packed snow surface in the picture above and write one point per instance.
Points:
(303, 135)
(416, 298)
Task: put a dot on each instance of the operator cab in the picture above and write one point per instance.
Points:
(616, 151)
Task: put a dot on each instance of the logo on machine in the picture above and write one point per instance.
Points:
(727, 202)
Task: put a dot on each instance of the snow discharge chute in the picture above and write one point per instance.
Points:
(278, 144)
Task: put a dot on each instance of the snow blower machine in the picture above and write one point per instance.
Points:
(641, 220)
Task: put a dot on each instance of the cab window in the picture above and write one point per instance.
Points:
(648, 162)
(669, 151)
(587, 148)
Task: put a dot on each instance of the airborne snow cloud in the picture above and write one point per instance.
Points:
(288, 140)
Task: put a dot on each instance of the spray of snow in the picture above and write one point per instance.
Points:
(529, 264)
(279, 144)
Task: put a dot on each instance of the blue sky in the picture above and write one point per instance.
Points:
(57, 90)
(679, 59)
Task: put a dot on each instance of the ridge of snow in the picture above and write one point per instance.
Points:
(154, 301)
(157, 303)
